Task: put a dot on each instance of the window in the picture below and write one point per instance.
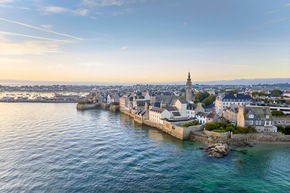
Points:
(251, 116)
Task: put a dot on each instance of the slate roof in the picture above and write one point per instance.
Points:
(170, 108)
(190, 106)
(237, 97)
(176, 114)
(157, 109)
(183, 101)
(258, 112)
(211, 115)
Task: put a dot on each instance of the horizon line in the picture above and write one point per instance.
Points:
(218, 82)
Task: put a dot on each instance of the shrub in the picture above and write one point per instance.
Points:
(278, 113)
(211, 126)
(85, 102)
(189, 124)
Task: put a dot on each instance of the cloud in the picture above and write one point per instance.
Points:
(240, 66)
(46, 26)
(54, 9)
(124, 48)
(6, 1)
(61, 10)
(56, 66)
(41, 29)
(102, 3)
(91, 64)
(274, 21)
(29, 36)
(287, 5)
(28, 48)
(80, 12)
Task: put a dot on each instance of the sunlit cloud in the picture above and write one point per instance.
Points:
(33, 47)
(240, 66)
(41, 29)
(29, 36)
(56, 66)
(91, 64)
(54, 9)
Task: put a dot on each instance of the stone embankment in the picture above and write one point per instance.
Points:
(239, 139)
(87, 106)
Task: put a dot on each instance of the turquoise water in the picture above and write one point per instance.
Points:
(55, 148)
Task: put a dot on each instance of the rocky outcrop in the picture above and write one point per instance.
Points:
(218, 150)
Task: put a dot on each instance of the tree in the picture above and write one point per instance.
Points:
(287, 130)
(211, 126)
(276, 93)
(278, 113)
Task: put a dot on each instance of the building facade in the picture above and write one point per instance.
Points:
(259, 117)
(231, 99)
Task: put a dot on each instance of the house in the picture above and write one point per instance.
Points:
(126, 101)
(259, 117)
(231, 113)
(191, 111)
(111, 98)
(204, 118)
(231, 99)
(156, 114)
(181, 105)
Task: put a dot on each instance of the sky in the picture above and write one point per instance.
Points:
(143, 41)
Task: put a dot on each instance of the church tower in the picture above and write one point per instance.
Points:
(188, 93)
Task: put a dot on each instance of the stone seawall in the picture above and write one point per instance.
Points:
(261, 137)
(182, 133)
(87, 106)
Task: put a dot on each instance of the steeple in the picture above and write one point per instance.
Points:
(188, 93)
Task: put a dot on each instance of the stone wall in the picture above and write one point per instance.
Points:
(224, 135)
(87, 106)
(261, 137)
(174, 130)
(114, 108)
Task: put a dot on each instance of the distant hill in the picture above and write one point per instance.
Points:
(248, 81)
(218, 82)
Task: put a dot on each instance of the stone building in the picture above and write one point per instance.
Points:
(259, 117)
(231, 99)
(231, 113)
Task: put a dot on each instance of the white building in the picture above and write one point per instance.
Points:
(230, 99)
(156, 114)
(181, 105)
(204, 118)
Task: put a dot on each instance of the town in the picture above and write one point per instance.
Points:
(210, 112)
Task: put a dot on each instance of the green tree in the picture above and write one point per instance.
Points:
(276, 93)
(211, 126)
(287, 130)
(277, 113)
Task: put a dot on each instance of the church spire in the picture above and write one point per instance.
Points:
(188, 93)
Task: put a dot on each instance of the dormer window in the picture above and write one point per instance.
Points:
(251, 116)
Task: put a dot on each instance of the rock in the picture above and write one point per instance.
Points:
(218, 150)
